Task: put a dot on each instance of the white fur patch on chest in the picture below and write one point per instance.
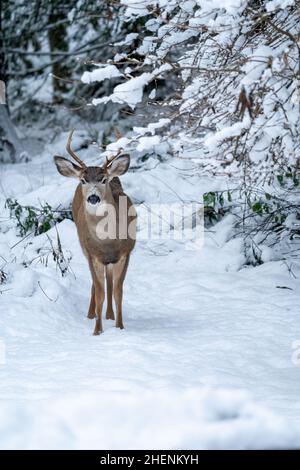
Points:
(104, 207)
(107, 226)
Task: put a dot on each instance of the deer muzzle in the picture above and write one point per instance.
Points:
(93, 199)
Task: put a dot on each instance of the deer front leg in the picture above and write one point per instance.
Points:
(109, 284)
(99, 294)
(92, 308)
(119, 273)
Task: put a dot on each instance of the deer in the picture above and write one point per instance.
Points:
(100, 202)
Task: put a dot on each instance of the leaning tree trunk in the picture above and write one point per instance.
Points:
(10, 146)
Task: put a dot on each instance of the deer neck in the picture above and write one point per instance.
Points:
(107, 201)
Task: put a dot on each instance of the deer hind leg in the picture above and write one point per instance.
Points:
(119, 273)
(98, 276)
(92, 308)
(109, 284)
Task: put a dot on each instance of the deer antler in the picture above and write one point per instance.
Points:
(71, 152)
(109, 162)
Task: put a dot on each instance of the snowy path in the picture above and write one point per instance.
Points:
(199, 332)
(182, 332)
(194, 324)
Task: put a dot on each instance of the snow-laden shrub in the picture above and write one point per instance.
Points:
(236, 101)
(35, 220)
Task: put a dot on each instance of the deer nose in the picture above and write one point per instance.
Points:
(93, 199)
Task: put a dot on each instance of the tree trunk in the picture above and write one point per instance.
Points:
(10, 146)
(58, 41)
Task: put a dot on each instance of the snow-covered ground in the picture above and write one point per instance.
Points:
(206, 359)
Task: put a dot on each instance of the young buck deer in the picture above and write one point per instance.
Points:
(99, 202)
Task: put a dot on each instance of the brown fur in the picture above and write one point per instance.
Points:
(108, 258)
(107, 251)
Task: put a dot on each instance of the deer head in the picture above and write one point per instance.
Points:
(94, 179)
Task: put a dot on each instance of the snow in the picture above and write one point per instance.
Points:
(256, 65)
(214, 139)
(275, 4)
(136, 7)
(152, 94)
(195, 419)
(129, 38)
(131, 92)
(209, 355)
(147, 143)
(100, 74)
(152, 127)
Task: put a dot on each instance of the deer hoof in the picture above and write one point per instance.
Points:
(120, 325)
(110, 315)
(91, 315)
(98, 327)
(97, 332)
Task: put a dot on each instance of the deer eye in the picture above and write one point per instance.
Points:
(82, 181)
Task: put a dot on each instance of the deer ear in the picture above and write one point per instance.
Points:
(67, 168)
(119, 165)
